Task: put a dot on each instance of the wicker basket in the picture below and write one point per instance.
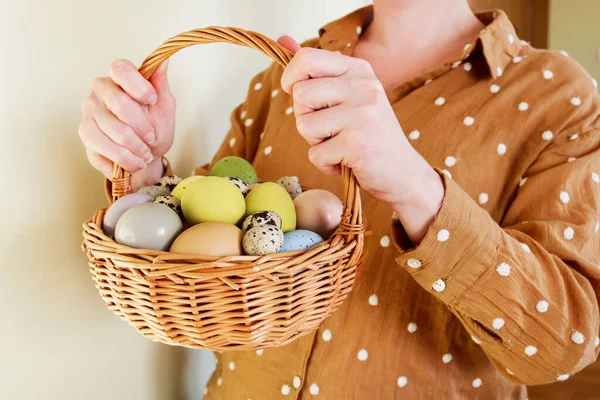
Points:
(229, 303)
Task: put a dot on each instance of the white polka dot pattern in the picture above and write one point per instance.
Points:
(439, 285)
(274, 93)
(428, 81)
(232, 365)
(468, 121)
(231, 142)
(413, 263)
(262, 136)
(456, 64)
(243, 114)
(414, 135)
(385, 241)
(314, 389)
(358, 30)
(443, 235)
(509, 371)
(503, 269)
(597, 343)
(249, 122)
(547, 74)
(289, 110)
(530, 350)
(467, 66)
(595, 83)
(327, 335)
(576, 101)
(547, 135)
(373, 300)
(525, 247)
(523, 106)
(476, 340)
(568, 233)
(259, 352)
(542, 306)
(494, 88)
(498, 323)
(446, 358)
(402, 381)
(258, 86)
(574, 136)
(205, 391)
(296, 382)
(447, 173)
(511, 38)
(571, 159)
(450, 161)
(483, 198)
(517, 59)
(440, 101)
(285, 390)
(499, 72)
(362, 355)
(522, 182)
(563, 377)
(595, 177)
(501, 149)
(268, 150)
(564, 53)
(476, 383)
(564, 197)
(219, 381)
(412, 327)
(577, 337)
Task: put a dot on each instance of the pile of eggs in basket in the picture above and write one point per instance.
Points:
(225, 214)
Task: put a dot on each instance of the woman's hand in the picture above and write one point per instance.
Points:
(129, 121)
(343, 112)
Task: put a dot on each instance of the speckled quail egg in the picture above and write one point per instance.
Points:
(262, 240)
(291, 185)
(170, 201)
(154, 191)
(240, 184)
(169, 182)
(261, 218)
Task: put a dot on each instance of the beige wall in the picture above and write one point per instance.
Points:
(575, 28)
(57, 339)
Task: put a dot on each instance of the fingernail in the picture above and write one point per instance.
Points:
(142, 165)
(148, 157)
(152, 99)
(150, 138)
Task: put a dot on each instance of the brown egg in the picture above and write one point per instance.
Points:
(319, 211)
(217, 239)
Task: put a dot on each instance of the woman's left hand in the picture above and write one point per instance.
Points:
(343, 112)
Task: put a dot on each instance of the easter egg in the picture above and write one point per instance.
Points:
(118, 208)
(270, 196)
(181, 186)
(291, 185)
(262, 240)
(300, 240)
(170, 201)
(217, 239)
(154, 191)
(318, 211)
(261, 218)
(168, 182)
(240, 184)
(236, 167)
(212, 199)
(148, 226)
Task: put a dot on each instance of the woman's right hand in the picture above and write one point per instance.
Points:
(129, 121)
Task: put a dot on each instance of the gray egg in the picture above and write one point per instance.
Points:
(291, 185)
(262, 240)
(240, 184)
(168, 182)
(261, 218)
(170, 201)
(154, 191)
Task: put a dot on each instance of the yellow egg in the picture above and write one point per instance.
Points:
(212, 199)
(181, 186)
(270, 196)
(218, 239)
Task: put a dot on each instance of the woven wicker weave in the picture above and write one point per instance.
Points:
(229, 303)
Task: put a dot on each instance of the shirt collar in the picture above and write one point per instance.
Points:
(498, 41)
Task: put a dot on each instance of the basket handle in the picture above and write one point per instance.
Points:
(352, 217)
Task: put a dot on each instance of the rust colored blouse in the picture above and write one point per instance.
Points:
(503, 290)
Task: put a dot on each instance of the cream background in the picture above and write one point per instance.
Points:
(57, 339)
(575, 28)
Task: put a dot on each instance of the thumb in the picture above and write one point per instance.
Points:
(160, 81)
(289, 43)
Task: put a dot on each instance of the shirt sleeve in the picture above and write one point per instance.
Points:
(525, 289)
(248, 120)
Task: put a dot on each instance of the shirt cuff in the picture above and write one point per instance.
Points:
(459, 246)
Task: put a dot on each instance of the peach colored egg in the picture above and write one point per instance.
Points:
(319, 211)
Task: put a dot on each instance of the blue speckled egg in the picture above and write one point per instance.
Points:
(300, 239)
